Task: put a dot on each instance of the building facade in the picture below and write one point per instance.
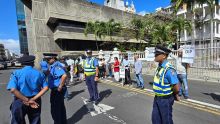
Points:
(206, 42)
(2, 52)
(121, 5)
(21, 27)
(58, 25)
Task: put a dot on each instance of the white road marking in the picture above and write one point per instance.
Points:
(96, 109)
(217, 93)
(189, 100)
(101, 109)
(204, 103)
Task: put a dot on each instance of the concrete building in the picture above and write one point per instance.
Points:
(21, 27)
(2, 52)
(58, 25)
(8, 55)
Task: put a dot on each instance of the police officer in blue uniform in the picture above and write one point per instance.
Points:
(56, 80)
(165, 87)
(44, 67)
(27, 86)
(91, 72)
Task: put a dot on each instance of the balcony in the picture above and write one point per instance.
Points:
(77, 33)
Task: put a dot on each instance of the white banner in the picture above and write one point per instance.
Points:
(150, 54)
(130, 56)
(122, 72)
(188, 53)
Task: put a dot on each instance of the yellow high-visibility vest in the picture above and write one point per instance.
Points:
(89, 68)
(159, 87)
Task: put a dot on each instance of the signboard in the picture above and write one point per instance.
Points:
(122, 72)
(107, 56)
(150, 54)
(188, 53)
(130, 57)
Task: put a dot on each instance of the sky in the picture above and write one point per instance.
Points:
(8, 24)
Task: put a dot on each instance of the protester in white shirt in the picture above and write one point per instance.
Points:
(181, 69)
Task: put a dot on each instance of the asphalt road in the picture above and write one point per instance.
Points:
(121, 105)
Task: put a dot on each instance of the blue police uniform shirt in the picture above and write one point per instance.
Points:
(170, 76)
(44, 65)
(27, 80)
(95, 61)
(56, 72)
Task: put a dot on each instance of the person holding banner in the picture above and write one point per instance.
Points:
(182, 74)
(126, 64)
(181, 69)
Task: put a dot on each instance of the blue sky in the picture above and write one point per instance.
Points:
(8, 24)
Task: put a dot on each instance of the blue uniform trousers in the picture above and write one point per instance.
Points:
(19, 110)
(58, 110)
(92, 87)
(162, 110)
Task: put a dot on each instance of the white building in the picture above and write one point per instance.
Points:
(207, 51)
(8, 54)
(120, 4)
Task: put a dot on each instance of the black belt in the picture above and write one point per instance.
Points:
(164, 97)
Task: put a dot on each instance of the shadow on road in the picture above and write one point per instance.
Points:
(74, 93)
(78, 115)
(104, 94)
(77, 82)
(214, 96)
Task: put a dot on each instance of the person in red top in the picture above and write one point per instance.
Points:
(116, 69)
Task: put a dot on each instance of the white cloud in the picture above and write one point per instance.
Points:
(143, 13)
(11, 44)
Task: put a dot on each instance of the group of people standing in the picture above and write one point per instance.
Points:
(28, 84)
(112, 69)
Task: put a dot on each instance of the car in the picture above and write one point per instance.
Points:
(3, 64)
(17, 64)
(9, 63)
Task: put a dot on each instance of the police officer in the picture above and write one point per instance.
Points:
(44, 66)
(27, 86)
(56, 80)
(91, 72)
(165, 87)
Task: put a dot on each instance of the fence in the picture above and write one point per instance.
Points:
(205, 67)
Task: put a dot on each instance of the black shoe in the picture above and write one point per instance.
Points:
(137, 86)
(142, 88)
(186, 97)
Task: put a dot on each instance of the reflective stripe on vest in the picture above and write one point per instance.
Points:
(89, 69)
(159, 87)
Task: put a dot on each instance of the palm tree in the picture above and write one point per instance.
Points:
(162, 34)
(112, 28)
(179, 25)
(138, 26)
(102, 29)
